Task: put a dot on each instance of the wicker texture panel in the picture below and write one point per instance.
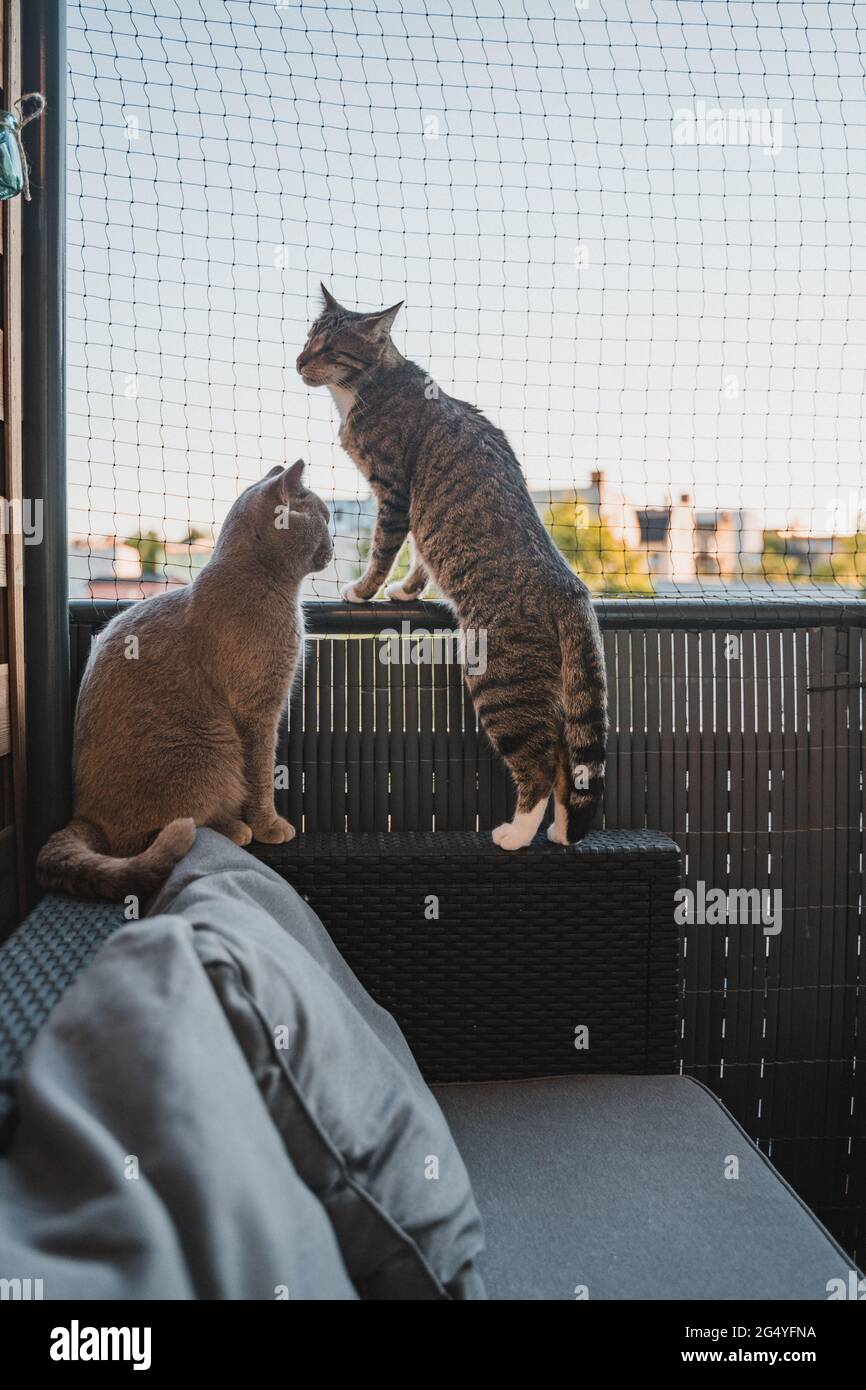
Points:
(526, 948)
(38, 962)
(737, 728)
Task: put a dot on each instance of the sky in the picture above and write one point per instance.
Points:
(620, 280)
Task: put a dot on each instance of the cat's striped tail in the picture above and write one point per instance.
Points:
(73, 861)
(584, 698)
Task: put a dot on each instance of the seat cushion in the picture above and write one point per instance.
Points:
(358, 1122)
(617, 1187)
(144, 1165)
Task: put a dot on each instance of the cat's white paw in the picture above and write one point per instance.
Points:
(557, 834)
(275, 832)
(398, 594)
(518, 833)
(350, 594)
(510, 836)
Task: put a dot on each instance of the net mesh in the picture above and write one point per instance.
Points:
(630, 232)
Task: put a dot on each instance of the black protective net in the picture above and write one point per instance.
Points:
(632, 233)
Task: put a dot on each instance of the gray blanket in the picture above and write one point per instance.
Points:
(153, 1158)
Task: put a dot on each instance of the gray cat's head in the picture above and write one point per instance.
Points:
(343, 344)
(285, 521)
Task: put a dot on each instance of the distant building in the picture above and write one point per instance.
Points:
(728, 544)
(107, 567)
(132, 588)
(97, 563)
(800, 554)
(600, 505)
(684, 546)
(806, 545)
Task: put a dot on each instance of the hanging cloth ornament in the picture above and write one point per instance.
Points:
(14, 169)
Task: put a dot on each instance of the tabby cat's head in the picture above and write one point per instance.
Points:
(285, 522)
(343, 344)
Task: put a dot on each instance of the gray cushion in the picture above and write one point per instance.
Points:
(356, 1118)
(616, 1185)
(144, 1164)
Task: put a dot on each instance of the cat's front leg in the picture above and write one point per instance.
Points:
(391, 530)
(416, 581)
(268, 827)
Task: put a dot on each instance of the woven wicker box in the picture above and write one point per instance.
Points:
(492, 961)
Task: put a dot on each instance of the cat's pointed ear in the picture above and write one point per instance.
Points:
(277, 468)
(330, 302)
(291, 481)
(379, 325)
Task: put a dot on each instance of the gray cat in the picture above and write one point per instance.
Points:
(177, 716)
(439, 469)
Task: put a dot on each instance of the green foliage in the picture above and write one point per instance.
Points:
(151, 552)
(786, 559)
(847, 564)
(401, 564)
(782, 560)
(604, 563)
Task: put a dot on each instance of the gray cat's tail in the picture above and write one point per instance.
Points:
(73, 861)
(584, 698)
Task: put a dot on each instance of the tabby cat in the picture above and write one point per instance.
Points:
(439, 469)
(177, 717)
